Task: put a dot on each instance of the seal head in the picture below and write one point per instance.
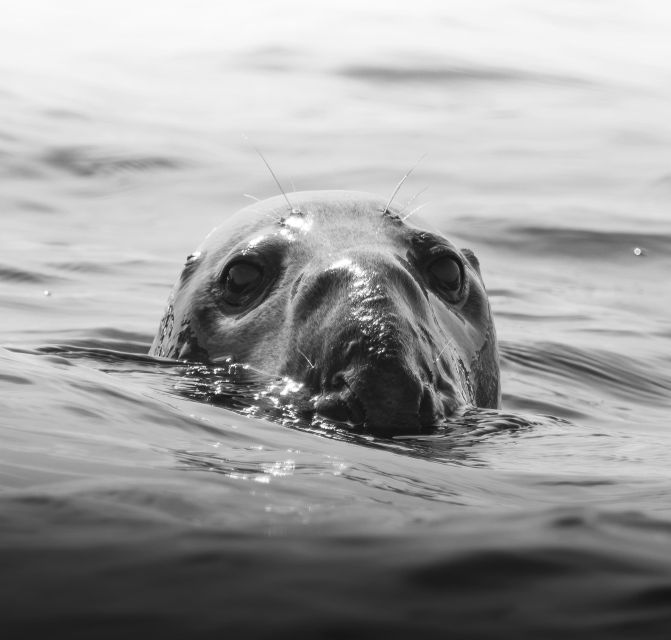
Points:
(386, 324)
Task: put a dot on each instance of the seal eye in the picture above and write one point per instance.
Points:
(240, 281)
(446, 274)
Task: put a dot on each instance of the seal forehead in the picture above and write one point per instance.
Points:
(318, 223)
(297, 221)
(317, 203)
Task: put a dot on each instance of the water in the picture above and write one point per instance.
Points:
(131, 504)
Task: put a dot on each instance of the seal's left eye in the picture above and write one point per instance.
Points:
(447, 273)
(240, 281)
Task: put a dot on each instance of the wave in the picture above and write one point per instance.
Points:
(88, 162)
(14, 274)
(566, 573)
(452, 73)
(594, 368)
(562, 241)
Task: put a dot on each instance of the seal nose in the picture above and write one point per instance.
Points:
(385, 398)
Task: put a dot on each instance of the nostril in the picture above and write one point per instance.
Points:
(338, 382)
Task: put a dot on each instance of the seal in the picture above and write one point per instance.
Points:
(384, 322)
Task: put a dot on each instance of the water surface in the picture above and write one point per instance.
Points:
(131, 502)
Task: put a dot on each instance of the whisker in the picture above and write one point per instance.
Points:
(442, 351)
(249, 195)
(415, 210)
(272, 173)
(400, 184)
(312, 366)
(409, 202)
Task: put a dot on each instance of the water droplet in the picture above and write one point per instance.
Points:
(46, 292)
(639, 252)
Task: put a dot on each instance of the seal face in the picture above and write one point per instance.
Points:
(386, 324)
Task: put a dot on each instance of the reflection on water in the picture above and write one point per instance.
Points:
(143, 494)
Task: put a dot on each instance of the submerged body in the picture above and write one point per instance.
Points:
(385, 324)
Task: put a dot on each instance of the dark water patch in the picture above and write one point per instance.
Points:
(580, 482)
(83, 412)
(65, 114)
(4, 377)
(102, 338)
(467, 572)
(17, 275)
(640, 138)
(108, 267)
(651, 597)
(37, 207)
(533, 405)
(88, 162)
(474, 578)
(8, 137)
(102, 355)
(505, 293)
(23, 171)
(452, 74)
(83, 266)
(610, 372)
(13, 274)
(543, 317)
(586, 244)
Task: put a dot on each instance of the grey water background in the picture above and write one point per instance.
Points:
(128, 505)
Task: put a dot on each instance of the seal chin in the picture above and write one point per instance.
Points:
(343, 408)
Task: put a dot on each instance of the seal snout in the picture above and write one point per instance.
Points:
(357, 322)
(386, 398)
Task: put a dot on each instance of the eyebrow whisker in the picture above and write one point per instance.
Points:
(415, 210)
(409, 202)
(272, 173)
(400, 184)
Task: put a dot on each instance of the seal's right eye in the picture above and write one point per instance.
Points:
(240, 282)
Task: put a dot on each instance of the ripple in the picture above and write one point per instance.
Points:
(561, 241)
(87, 162)
(451, 73)
(14, 274)
(101, 340)
(608, 371)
